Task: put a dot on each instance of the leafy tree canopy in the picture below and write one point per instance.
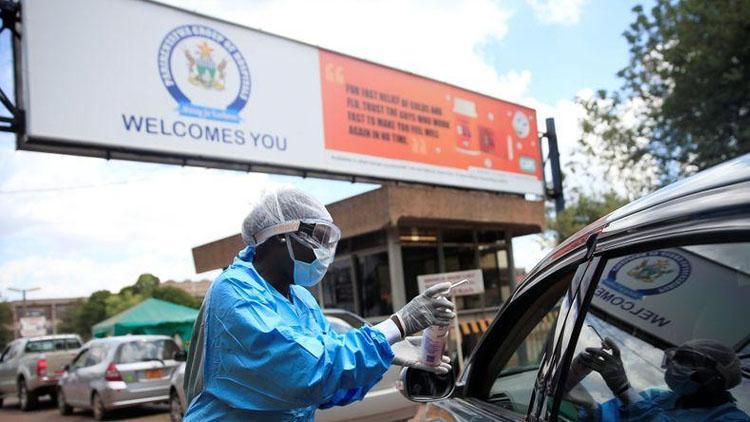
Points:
(685, 100)
(6, 324)
(79, 318)
(583, 211)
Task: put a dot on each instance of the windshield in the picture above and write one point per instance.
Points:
(144, 350)
(52, 345)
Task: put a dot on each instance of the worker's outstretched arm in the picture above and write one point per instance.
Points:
(284, 367)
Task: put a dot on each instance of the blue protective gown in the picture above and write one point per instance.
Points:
(659, 405)
(268, 358)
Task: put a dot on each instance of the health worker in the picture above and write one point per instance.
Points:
(261, 347)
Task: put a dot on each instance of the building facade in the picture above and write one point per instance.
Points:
(51, 310)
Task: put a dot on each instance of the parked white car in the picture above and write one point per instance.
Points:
(382, 403)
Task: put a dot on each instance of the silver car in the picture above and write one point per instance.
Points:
(382, 403)
(117, 372)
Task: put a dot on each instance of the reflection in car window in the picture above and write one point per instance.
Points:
(664, 339)
(139, 351)
(514, 384)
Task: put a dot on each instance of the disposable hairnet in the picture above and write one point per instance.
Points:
(280, 205)
(726, 360)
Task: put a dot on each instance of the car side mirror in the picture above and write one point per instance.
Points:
(180, 356)
(422, 386)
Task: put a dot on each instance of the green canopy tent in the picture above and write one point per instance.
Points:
(152, 316)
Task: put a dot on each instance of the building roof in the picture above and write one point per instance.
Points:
(394, 205)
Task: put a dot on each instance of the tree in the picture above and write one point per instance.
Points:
(685, 100)
(582, 212)
(121, 302)
(6, 324)
(176, 295)
(145, 285)
(81, 317)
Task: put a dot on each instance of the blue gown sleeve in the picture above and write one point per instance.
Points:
(282, 367)
(345, 396)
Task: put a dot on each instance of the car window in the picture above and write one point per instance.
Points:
(5, 354)
(144, 350)
(15, 350)
(80, 360)
(72, 343)
(517, 364)
(665, 337)
(96, 355)
(52, 345)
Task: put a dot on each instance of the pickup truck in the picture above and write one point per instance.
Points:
(30, 367)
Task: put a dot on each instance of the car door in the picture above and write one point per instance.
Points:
(91, 371)
(690, 295)
(7, 374)
(72, 386)
(498, 382)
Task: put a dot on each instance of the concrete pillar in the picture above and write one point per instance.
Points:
(53, 315)
(396, 268)
(511, 264)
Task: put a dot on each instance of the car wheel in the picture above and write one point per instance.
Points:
(62, 406)
(175, 407)
(100, 413)
(26, 398)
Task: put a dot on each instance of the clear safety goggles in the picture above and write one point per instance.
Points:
(687, 357)
(311, 232)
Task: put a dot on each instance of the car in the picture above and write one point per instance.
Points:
(382, 403)
(671, 267)
(30, 367)
(118, 372)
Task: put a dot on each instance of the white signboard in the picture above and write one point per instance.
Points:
(474, 286)
(134, 79)
(33, 326)
(676, 295)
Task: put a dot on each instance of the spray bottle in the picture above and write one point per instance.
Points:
(435, 338)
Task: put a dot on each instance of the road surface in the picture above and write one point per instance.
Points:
(47, 411)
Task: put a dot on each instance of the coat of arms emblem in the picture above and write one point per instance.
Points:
(204, 71)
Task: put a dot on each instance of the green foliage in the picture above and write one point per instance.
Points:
(685, 100)
(6, 324)
(582, 212)
(121, 302)
(145, 285)
(176, 295)
(81, 317)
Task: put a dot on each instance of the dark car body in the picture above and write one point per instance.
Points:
(686, 241)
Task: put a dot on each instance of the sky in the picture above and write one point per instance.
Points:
(74, 225)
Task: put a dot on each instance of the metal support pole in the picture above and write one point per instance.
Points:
(556, 192)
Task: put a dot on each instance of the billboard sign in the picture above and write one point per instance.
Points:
(474, 286)
(33, 326)
(184, 88)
